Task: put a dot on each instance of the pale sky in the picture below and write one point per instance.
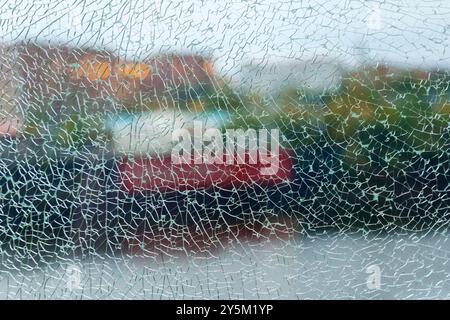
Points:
(407, 32)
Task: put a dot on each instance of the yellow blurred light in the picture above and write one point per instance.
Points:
(208, 66)
(133, 70)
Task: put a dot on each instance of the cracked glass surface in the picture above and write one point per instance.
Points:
(355, 94)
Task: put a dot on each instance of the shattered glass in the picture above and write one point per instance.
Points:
(317, 135)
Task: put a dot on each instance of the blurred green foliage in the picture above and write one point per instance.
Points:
(381, 115)
(69, 122)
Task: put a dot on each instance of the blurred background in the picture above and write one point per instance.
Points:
(92, 207)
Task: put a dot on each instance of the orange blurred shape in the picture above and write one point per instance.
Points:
(208, 66)
(93, 69)
(133, 70)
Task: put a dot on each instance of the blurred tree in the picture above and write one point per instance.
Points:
(378, 115)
